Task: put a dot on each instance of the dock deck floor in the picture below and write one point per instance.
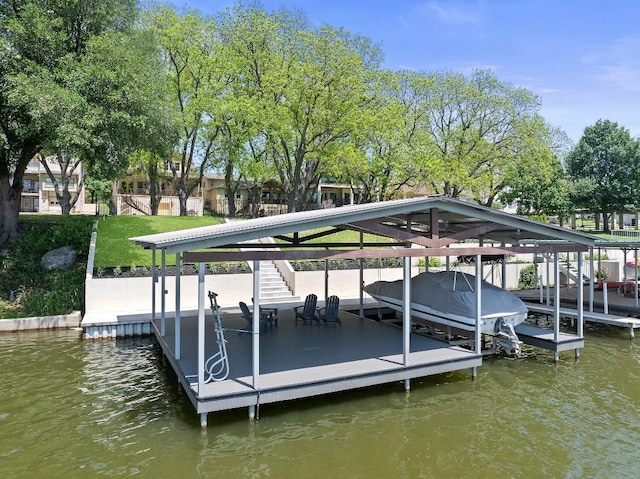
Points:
(589, 316)
(303, 360)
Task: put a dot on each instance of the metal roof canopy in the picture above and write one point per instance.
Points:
(433, 222)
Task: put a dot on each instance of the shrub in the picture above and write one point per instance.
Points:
(528, 277)
(117, 271)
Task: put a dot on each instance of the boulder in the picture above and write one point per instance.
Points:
(60, 258)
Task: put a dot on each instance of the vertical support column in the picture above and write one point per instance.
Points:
(635, 276)
(203, 420)
(154, 280)
(406, 314)
(163, 298)
(201, 332)
(548, 280)
(406, 310)
(361, 288)
(591, 280)
(580, 301)
(326, 281)
(177, 325)
(478, 331)
(556, 302)
(504, 271)
(256, 326)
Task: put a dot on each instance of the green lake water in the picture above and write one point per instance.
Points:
(75, 409)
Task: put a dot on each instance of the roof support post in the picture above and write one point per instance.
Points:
(361, 288)
(548, 258)
(504, 270)
(556, 302)
(406, 307)
(256, 325)
(326, 281)
(478, 332)
(580, 301)
(163, 283)
(591, 280)
(154, 280)
(406, 310)
(635, 275)
(176, 346)
(201, 334)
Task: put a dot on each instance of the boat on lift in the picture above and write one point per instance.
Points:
(448, 298)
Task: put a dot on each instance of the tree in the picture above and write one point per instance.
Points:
(606, 163)
(38, 40)
(198, 76)
(387, 155)
(305, 89)
(477, 126)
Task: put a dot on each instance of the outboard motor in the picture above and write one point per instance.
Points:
(506, 340)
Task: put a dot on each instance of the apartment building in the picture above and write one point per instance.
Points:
(38, 193)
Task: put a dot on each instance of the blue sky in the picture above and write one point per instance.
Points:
(582, 57)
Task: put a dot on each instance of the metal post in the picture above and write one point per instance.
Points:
(504, 271)
(478, 333)
(256, 325)
(548, 282)
(591, 280)
(326, 281)
(361, 288)
(154, 280)
(541, 290)
(580, 301)
(605, 297)
(177, 319)
(406, 310)
(203, 420)
(556, 302)
(201, 338)
(163, 309)
(635, 276)
(447, 262)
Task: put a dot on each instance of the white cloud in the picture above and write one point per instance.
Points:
(618, 63)
(452, 12)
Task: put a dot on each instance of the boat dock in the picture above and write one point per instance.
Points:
(301, 359)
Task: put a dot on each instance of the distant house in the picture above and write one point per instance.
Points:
(131, 195)
(39, 196)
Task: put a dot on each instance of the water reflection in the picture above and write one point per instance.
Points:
(111, 408)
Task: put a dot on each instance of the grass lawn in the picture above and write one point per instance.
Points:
(113, 247)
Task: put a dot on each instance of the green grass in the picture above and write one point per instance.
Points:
(114, 248)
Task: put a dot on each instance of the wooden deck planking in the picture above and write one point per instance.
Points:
(302, 360)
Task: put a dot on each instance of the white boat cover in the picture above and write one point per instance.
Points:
(450, 295)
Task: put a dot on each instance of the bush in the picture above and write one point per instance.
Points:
(44, 292)
(529, 278)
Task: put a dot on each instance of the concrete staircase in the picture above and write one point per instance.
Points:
(272, 287)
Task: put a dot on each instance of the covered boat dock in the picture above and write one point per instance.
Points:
(292, 360)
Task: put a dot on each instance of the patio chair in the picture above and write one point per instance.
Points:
(266, 318)
(329, 314)
(307, 312)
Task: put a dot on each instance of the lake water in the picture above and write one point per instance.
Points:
(71, 409)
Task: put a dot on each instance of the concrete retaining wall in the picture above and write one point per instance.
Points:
(42, 322)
